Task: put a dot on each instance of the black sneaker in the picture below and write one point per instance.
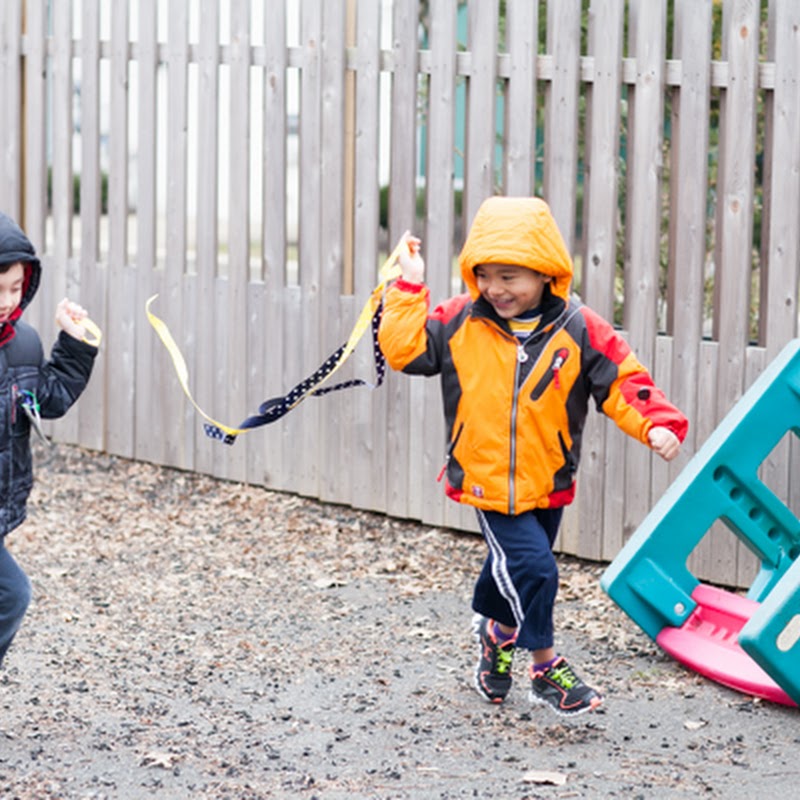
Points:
(493, 670)
(561, 689)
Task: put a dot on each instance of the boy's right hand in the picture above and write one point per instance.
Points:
(664, 442)
(410, 260)
(69, 316)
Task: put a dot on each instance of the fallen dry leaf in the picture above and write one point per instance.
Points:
(545, 777)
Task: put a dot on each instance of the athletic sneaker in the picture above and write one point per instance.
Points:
(493, 670)
(561, 689)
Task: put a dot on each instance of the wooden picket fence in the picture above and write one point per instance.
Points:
(664, 135)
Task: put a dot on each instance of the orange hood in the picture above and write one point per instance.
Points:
(521, 231)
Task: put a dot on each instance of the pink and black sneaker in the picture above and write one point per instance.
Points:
(560, 688)
(493, 670)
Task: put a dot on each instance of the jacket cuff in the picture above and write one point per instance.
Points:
(408, 286)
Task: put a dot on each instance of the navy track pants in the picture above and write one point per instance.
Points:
(519, 580)
(15, 596)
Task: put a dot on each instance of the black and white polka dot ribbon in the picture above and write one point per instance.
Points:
(276, 407)
(273, 409)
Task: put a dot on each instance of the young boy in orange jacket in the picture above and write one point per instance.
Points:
(519, 360)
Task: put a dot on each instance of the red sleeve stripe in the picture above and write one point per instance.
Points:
(445, 311)
(604, 338)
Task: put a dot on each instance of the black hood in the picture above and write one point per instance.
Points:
(16, 246)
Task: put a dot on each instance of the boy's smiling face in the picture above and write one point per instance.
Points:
(12, 284)
(510, 289)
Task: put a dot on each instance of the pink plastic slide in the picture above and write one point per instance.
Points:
(708, 643)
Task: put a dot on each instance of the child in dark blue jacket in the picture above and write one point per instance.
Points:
(30, 387)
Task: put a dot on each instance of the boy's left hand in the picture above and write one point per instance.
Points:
(664, 442)
(69, 316)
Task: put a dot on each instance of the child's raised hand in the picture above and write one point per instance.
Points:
(69, 316)
(410, 260)
(664, 442)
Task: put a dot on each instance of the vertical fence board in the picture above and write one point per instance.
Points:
(600, 231)
(747, 564)
(602, 156)
(11, 87)
(371, 441)
(231, 391)
(561, 122)
(781, 212)
(643, 218)
(522, 30)
(180, 419)
(438, 238)
(337, 417)
(779, 272)
(701, 561)
(331, 433)
(481, 122)
(150, 396)
(93, 276)
(688, 189)
(34, 164)
(120, 337)
(61, 169)
(273, 229)
(55, 283)
(200, 358)
(735, 188)
(400, 416)
(301, 452)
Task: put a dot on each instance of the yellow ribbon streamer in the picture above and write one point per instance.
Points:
(389, 271)
(179, 363)
(95, 334)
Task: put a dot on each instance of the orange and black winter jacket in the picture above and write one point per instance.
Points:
(515, 413)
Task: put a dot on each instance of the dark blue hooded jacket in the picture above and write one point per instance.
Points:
(25, 374)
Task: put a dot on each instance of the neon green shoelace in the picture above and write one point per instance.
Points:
(504, 657)
(564, 677)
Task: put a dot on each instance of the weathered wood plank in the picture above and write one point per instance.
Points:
(273, 231)
(179, 446)
(600, 199)
(781, 231)
(200, 356)
(522, 31)
(437, 240)
(150, 393)
(119, 346)
(93, 275)
(369, 407)
(561, 121)
(599, 267)
(647, 35)
(688, 182)
(11, 87)
(481, 119)
(231, 391)
(735, 193)
(334, 482)
(55, 283)
(301, 456)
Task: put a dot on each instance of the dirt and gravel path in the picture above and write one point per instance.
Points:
(195, 638)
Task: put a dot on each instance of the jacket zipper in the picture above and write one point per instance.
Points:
(522, 357)
(512, 467)
(449, 453)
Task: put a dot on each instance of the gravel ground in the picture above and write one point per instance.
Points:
(196, 638)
